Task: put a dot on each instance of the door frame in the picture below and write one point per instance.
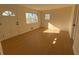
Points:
(75, 19)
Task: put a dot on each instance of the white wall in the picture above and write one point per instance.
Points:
(62, 18)
(9, 28)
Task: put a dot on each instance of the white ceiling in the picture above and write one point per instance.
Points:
(46, 6)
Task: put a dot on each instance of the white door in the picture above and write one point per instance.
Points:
(74, 23)
(76, 38)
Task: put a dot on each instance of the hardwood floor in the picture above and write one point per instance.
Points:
(38, 42)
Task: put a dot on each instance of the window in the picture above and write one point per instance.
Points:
(8, 13)
(47, 16)
(31, 18)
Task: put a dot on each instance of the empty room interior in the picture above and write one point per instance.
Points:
(39, 29)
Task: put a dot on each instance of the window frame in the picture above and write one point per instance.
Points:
(34, 19)
(47, 18)
(9, 13)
